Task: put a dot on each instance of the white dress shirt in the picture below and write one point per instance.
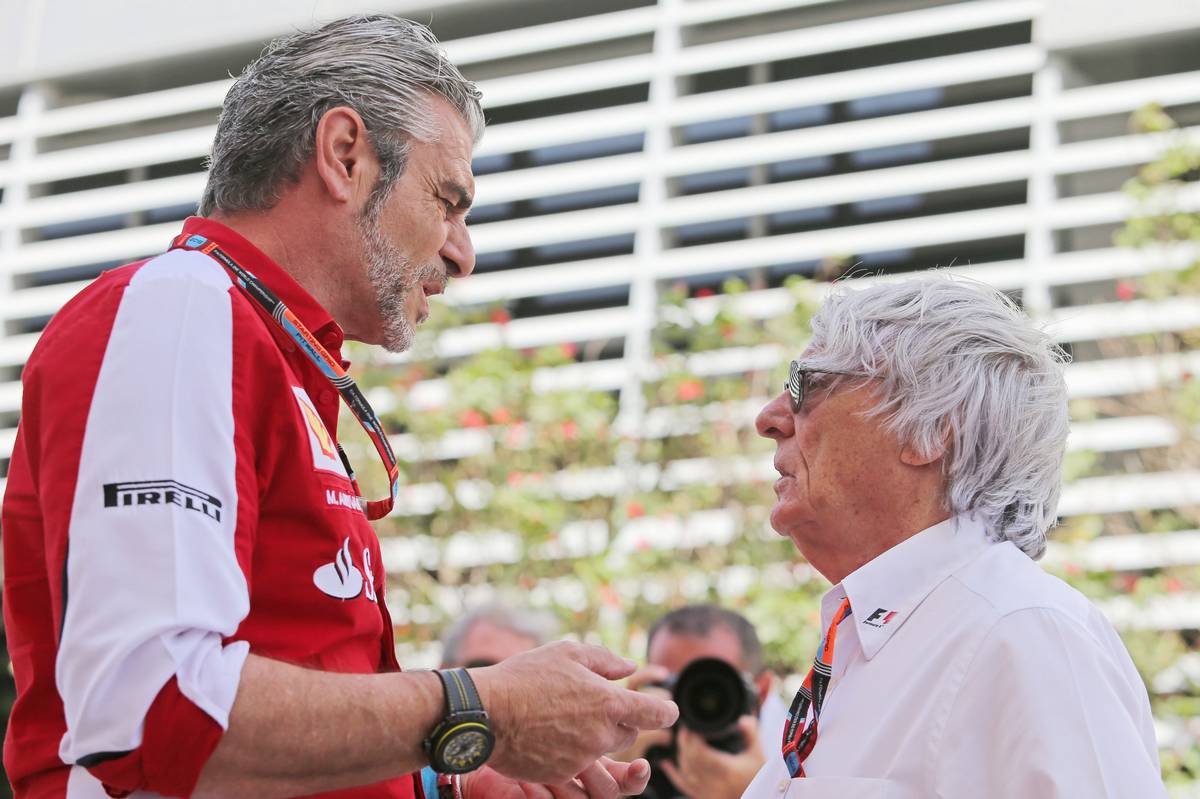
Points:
(967, 671)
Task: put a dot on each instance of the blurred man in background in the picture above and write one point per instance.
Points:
(919, 444)
(495, 632)
(688, 763)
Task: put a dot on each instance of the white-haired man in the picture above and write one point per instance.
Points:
(919, 442)
(193, 595)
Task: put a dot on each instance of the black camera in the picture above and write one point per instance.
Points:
(712, 695)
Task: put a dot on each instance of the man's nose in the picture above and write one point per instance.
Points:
(458, 252)
(775, 420)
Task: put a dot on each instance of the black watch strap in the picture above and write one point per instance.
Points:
(461, 695)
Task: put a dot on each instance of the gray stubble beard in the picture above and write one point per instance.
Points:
(392, 275)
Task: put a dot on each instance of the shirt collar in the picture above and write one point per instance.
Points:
(885, 591)
(304, 305)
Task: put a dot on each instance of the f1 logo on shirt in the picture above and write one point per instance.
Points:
(880, 617)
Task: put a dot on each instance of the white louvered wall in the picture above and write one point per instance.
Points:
(691, 140)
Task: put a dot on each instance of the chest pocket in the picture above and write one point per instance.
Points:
(847, 788)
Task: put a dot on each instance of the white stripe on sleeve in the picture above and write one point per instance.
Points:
(153, 582)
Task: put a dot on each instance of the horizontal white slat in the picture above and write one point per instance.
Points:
(113, 156)
(1127, 552)
(1119, 376)
(533, 281)
(847, 137)
(555, 228)
(116, 245)
(1122, 433)
(1126, 96)
(533, 39)
(1116, 494)
(853, 34)
(1162, 612)
(10, 397)
(1112, 320)
(531, 134)
(868, 82)
(959, 173)
(107, 201)
(123, 110)
(563, 81)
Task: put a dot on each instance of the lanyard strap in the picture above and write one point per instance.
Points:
(308, 344)
(798, 742)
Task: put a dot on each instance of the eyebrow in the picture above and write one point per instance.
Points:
(454, 187)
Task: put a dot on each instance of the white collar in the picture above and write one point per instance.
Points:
(885, 591)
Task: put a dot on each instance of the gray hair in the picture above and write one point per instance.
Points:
(537, 626)
(700, 620)
(963, 371)
(385, 68)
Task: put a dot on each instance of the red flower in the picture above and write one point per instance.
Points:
(500, 316)
(727, 330)
(570, 430)
(705, 292)
(569, 350)
(514, 478)
(690, 390)
(502, 415)
(1174, 585)
(1126, 290)
(472, 418)
(634, 510)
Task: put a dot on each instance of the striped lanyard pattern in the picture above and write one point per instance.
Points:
(798, 741)
(333, 371)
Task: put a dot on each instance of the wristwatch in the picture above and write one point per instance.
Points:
(461, 741)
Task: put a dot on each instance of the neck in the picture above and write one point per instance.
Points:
(300, 246)
(865, 539)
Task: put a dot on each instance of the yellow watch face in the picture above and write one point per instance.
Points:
(466, 749)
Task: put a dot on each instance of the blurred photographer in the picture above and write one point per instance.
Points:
(711, 661)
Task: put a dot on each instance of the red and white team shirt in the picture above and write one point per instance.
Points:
(175, 501)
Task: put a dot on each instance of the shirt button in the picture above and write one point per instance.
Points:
(783, 786)
(331, 342)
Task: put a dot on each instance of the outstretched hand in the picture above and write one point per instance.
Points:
(603, 779)
(555, 711)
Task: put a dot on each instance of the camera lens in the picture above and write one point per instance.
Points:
(711, 695)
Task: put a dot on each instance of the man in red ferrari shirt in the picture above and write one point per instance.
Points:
(193, 595)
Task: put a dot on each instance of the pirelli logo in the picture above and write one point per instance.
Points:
(161, 492)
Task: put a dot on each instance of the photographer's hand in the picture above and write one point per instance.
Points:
(554, 712)
(645, 679)
(702, 772)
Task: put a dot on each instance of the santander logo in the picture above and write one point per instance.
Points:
(340, 579)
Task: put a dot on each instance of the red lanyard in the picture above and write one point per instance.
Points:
(333, 371)
(797, 742)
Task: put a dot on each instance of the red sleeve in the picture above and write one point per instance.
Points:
(163, 763)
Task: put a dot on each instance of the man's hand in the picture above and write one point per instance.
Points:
(604, 779)
(555, 711)
(702, 772)
(643, 680)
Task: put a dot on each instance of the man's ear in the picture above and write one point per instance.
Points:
(910, 456)
(343, 156)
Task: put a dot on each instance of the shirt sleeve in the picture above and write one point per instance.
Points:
(152, 584)
(1049, 708)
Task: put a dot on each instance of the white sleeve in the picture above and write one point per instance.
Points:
(152, 582)
(1049, 709)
